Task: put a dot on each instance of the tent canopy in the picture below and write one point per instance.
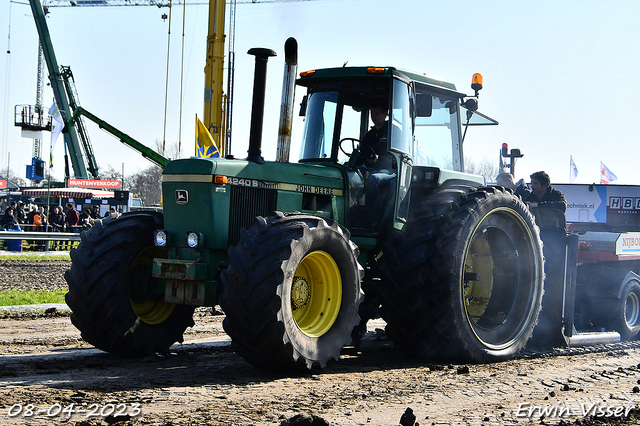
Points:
(68, 193)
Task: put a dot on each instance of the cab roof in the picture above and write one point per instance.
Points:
(307, 78)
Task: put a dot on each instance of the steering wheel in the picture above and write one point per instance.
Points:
(370, 151)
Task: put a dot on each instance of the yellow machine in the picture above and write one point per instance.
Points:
(213, 71)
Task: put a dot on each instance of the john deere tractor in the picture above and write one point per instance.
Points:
(299, 255)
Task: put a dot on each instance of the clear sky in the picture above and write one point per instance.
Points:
(561, 77)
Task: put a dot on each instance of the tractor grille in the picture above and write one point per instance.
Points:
(246, 204)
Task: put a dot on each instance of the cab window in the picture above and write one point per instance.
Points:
(318, 127)
(437, 131)
(401, 133)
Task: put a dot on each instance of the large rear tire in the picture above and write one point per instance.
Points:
(292, 292)
(466, 277)
(111, 291)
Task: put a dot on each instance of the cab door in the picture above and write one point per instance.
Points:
(402, 118)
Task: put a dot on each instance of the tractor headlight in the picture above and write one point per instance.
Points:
(160, 238)
(193, 239)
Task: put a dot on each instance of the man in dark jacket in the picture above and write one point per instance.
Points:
(9, 219)
(21, 215)
(57, 219)
(547, 203)
(72, 218)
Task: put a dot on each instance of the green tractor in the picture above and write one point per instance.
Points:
(300, 255)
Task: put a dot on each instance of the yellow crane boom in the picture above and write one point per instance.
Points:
(213, 71)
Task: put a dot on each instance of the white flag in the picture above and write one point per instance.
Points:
(56, 128)
(606, 175)
(573, 170)
(56, 123)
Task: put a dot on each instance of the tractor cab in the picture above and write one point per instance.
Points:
(386, 129)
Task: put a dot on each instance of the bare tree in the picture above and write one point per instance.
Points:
(172, 150)
(109, 172)
(484, 167)
(13, 177)
(146, 184)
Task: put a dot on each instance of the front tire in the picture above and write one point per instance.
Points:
(466, 277)
(111, 291)
(292, 292)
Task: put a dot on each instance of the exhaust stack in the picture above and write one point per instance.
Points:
(257, 109)
(288, 93)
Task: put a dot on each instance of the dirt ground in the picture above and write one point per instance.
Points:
(48, 375)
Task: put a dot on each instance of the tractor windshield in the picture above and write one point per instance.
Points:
(339, 113)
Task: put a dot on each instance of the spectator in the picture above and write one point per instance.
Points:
(8, 219)
(113, 213)
(21, 215)
(95, 214)
(547, 203)
(85, 219)
(11, 208)
(43, 219)
(56, 220)
(520, 189)
(33, 210)
(40, 225)
(37, 219)
(72, 218)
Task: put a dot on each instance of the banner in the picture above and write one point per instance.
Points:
(93, 183)
(606, 175)
(205, 145)
(573, 170)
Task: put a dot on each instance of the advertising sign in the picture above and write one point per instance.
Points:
(602, 203)
(93, 183)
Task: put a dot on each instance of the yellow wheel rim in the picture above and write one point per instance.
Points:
(477, 291)
(152, 312)
(149, 311)
(316, 293)
(500, 276)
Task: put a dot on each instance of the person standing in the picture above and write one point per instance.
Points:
(549, 205)
(95, 213)
(8, 219)
(21, 215)
(33, 211)
(37, 219)
(72, 218)
(57, 219)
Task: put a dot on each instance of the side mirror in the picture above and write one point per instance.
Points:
(471, 104)
(303, 106)
(424, 105)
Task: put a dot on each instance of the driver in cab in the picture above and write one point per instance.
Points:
(375, 153)
(374, 159)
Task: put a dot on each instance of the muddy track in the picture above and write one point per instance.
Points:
(46, 369)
